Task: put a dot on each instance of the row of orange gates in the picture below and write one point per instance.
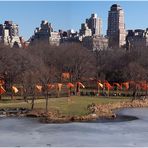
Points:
(39, 88)
(101, 85)
(140, 85)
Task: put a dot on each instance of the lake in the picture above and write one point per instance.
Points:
(29, 132)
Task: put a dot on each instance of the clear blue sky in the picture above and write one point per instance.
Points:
(69, 15)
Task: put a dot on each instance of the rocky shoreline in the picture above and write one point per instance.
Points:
(107, 110)
(96, 111)
(12, 112)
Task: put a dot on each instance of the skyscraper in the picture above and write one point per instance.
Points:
(92, 26)
(95, 24)
(116, 27)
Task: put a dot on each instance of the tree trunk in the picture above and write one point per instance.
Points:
(68, 92)
(11, 95)
(46, 101)
(146, 91)
(134, 94)
(46, 104)
(25, 98)
(11, 92)
(32, 105)
(24, 95)
(108, 92)
(77, 90)
(58, 93)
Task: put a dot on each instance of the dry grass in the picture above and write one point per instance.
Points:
(75, 105)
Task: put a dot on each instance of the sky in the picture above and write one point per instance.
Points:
(69, 14)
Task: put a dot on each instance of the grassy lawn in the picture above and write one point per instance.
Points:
(76, 106)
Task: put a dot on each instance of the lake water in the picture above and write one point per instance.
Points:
(29, 132)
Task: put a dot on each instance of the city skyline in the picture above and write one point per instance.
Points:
(69, 15)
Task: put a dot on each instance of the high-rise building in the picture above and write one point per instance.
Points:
(116, 27)
(92, 26)
(85, 31)
(95, 24)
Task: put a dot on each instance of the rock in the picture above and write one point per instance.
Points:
(114, 116)
(54, 120)
(94, 115)
(12, 115)
(32, 114)
(2, 115)
(2, 110)
(72, 118)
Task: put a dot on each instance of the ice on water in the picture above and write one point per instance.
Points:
(29, 132)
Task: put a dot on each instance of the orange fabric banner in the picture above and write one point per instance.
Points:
(15, 90)
(107, 85)
(39, 88)
(51, 86)
(100, 84)
(2, 82)
(144, 86)
(59, 86)
(66, 75)
(126, 85)
(70, 85)
(80, 84)
(2, 90)
(118, 85)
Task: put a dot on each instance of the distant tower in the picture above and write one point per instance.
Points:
(85, 31)
(92, 26)
(116, 27)
(95, 24)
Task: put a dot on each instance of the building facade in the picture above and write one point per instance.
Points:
(9, 34)
(85, 30)
(116, 27)
(69, 36)
(92, 26)
(45, 34)
(95, 43)
(137, 39)
(95, 24)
